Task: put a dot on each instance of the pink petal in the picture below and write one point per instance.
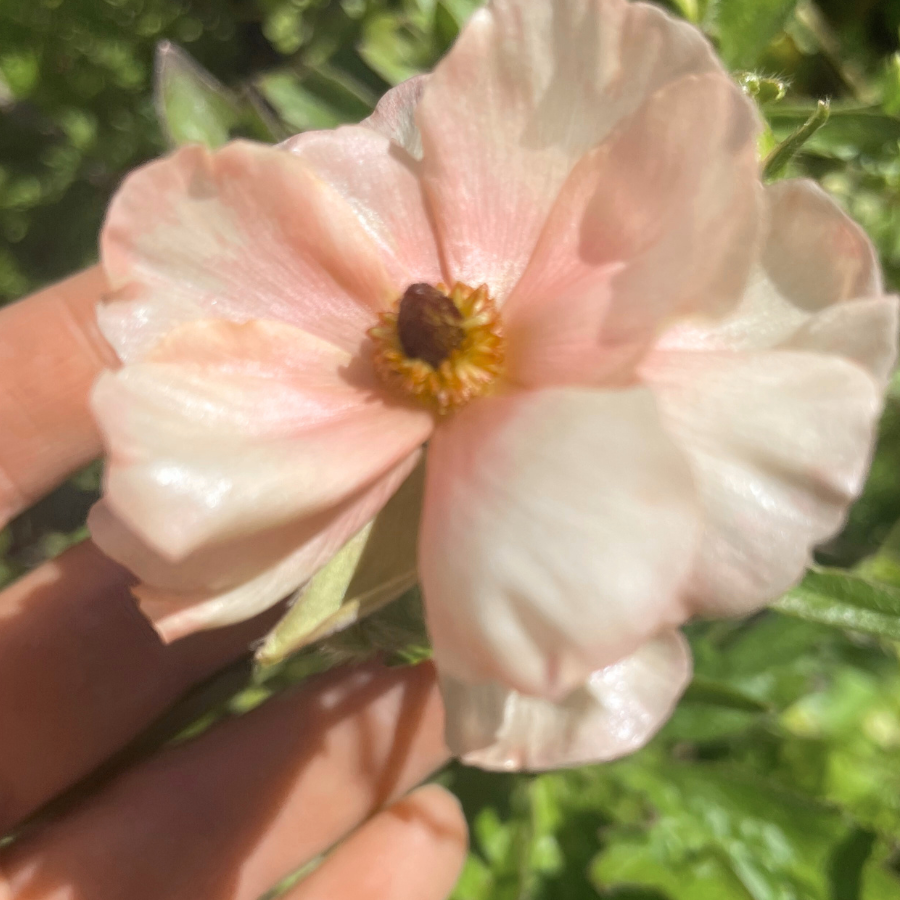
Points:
(779, 443)
(557, 530)
(816, 287)
(816, 255)
(237, 579)
(378, 180)
(395, 115)
(780, 440)
(659, 221)
(247, 232)
(230, 429)
(863, 331)
(615, 713)
(529, 87)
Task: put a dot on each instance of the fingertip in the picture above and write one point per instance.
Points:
(413, 850)
(437, 816)
(51, 350)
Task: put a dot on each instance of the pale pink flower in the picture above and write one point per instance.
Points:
(662, 400)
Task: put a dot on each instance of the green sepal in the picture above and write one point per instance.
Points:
(194, 108)
(376, 566)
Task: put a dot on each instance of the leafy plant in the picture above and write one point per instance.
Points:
(778, 778)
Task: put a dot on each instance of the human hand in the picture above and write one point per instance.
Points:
(82, 673)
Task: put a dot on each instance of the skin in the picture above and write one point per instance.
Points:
(82, 673)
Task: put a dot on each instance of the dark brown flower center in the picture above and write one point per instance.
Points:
(429, 324)
(441, 346)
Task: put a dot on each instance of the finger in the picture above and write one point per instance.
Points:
(51, 351)
(414, 850)
(226, 816)
(82, 672)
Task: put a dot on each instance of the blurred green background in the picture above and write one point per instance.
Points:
(779, 776)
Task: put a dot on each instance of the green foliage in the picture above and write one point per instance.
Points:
(774, 780)
(78, 113)
(840, 598)
(195, 108)
(778, 777)
(743, 29)
(77, 109)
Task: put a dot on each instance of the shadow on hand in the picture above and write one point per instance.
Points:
(225, 816)
(82, 673)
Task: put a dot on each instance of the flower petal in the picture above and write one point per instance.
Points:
(395, 115)
(557, 531)
(816, 255)
(247, 232)
(237, 579)
(615, 713)
(378, 180)
(816, 287)
(529, 87)
(228, 429)
(863, 331)
(660, 220)
(779, 443)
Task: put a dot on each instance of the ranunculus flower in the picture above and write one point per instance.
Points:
(648, 385)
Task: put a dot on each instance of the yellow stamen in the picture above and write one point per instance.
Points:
(440, 347)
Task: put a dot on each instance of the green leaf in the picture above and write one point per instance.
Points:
(745, 29)
(394, 48)
(193, 107)
(845, 600)
(373, 568)
(891, 96)
(633, 861)
(716, 693)
(318, 98)
(460, 9)
(718, 833)
(713, 709)
(781, 156)
(884, 566)
(879, 884)
(690, 9)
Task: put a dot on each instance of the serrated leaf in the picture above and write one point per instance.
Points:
(632, 861)
(845, 600)
(373, 568)
(719, 833)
